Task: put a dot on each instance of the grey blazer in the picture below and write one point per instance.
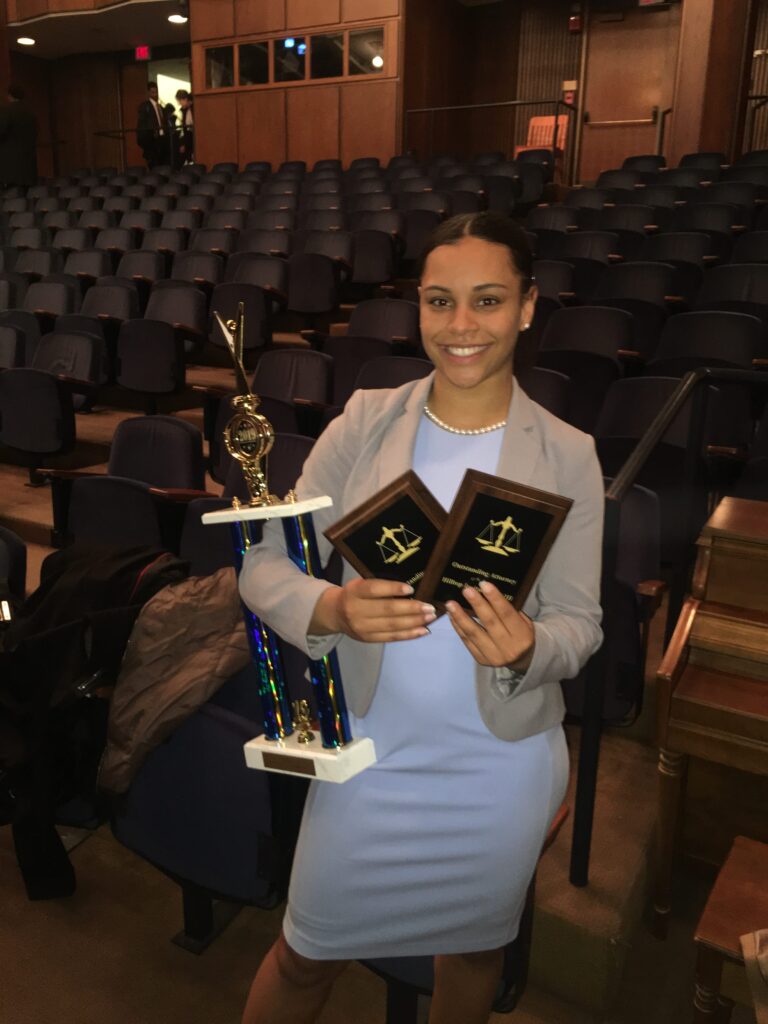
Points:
(369, 446)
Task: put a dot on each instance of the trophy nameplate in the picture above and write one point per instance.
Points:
(392, 535)
(497, 530)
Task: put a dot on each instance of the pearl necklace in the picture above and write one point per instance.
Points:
(456, 430)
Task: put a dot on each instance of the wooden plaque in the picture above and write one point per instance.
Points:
(392, 535)
(497, 530)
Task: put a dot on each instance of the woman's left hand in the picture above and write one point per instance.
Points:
(501, 636)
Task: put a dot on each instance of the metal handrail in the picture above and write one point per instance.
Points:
(691, 388)
(557, 104)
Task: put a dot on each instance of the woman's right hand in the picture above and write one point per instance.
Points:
(373, 611)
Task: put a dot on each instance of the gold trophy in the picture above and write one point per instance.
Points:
(249, 437)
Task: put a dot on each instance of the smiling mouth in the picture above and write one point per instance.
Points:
(463, 351)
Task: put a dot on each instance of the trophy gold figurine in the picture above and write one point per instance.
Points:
(285, 745)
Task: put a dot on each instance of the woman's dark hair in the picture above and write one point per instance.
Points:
(491, 227)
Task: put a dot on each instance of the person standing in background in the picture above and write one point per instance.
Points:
(152, 128)
(18, 140)
(187, 143)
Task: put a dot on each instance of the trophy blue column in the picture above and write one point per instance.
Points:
(273, 693)
(301, 542)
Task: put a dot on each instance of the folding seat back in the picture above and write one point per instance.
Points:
(548, 388)
(648, 163)
(168, 240)
(271, 220)
(269, 273)
(38, 418)
(391, 222)
(337, 245)
(349, 354)
(28, 219)
(390, 319)
(294, 373)
(323, 201)
(277, 202)
(206, 188)
(139, 221)
(757, 157)
(96, 220)
(707, 338)
(111, 302)
(141, 265)
(433, 202)
(751, 247)
(115, 240)
(738, 287)
(27, 326)
(194, 202)
(711, 160)
(162, 451)
(102, 508)
(627, 217)
(588, 245)
(366, 186)
(322, 186)
(225, 301)
(362, 203)
(361, 162)
(150, 358)
(741, 195)
(182, 220)
(182, 306)
(271, 242)
(236, 201)
(37, 263)
(11, 348)
(50, 298)
(71, 239)
(15, 204)
(30, 238)
(489, 159)
(218, 240)
(588, 198)
(392, 372)
(58, 220)
(675, 247)
(233, 220)
(649, 282)
(88, 264)
(201, 268)
(70, 354)
(324, 220)
(551, 218)
(413, 184)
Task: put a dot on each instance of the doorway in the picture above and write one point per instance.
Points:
(630, 78)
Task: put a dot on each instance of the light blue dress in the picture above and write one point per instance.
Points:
(431, 849)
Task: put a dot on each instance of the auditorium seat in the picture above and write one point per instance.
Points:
(549, 388)
(197, 203)
(38, 421)
(34, 264)
(269, 242)
(751, 247)
(233, 220)
(349, 353)
(715, 220)
(217, 412)
(268, 272)
(740, 195)
(58, 220)
(374, 258)
(293, 373)
(271, 220)
(736, 288)
(184, 308)
(620, 179)
(149, 360)
(322, 220)
(226, 299)
(706, 159)
(392, 371)
(370, 201)
(313, 286)
(27, 326)
(11, 347)
(641, 289)
(76, 356)
(583, 343)
(648, 163)
(553, 278)
(203, 269)
(71, 239)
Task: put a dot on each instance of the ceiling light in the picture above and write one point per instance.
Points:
(378, 61)
(25, 41)
(181, 15)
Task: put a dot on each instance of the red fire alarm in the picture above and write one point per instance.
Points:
(142, 53)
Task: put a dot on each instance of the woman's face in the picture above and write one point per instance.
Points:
(472, 311)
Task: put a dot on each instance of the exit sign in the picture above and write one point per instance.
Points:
(143, 53)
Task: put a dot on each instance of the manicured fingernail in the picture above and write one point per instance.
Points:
(485, 585)
(428, 609)
(424, 632)
(469, 592)
(407, 589)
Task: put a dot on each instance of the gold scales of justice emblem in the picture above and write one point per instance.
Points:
(398, 543)
(501, 536)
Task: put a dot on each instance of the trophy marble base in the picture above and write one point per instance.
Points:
(282, 511)
(310, 760)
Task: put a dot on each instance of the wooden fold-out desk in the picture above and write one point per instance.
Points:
(713, 678)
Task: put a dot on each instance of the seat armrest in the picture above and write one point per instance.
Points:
(315, 338)
(210, 391)
(629, 355)
(307, 403)
(78, 387)
(179, 495)
(338, 330)
(651, 593)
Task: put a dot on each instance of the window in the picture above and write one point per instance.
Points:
(290, 59)
(254, 63)
(219, 67)
(327, 56)
(366, 51)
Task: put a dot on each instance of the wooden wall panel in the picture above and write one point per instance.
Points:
(211, 19)
(306, 13)
(261, 120)
(85, 100)
(252, 16)
(368, 10)
(133, 91)
(362, 132)
(313, 122)
(728, 67)
(216, 128)
(33, 75)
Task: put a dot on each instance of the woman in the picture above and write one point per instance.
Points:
(431, 850)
